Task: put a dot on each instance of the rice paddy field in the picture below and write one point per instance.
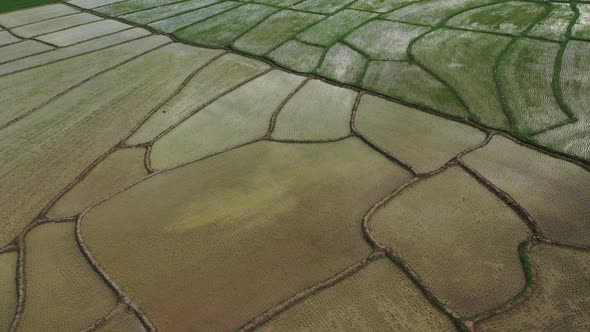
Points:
(294, 165)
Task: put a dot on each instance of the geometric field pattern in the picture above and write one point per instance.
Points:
(272, 170)
(516, 66)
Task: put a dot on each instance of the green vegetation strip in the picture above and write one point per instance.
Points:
(332, 39)
(10, 5)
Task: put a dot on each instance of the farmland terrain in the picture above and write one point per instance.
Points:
(284, 165)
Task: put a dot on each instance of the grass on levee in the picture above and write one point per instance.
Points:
(8, 5)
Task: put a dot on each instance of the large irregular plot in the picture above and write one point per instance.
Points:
(174, 23)
(239, 117)
(466, 60)
(158, 13)
(322, 6)
(343, 64)
(433, 12)
(27, 16)
(512, 17)
(553, 191)
(581, 28)
(381, 6)
(63, 292)
(554, 26)
(44, 152)
(22, 49)
(297, 56)
(560, 301)
(524, 79)
(269, 220)
(274, 31)
(410, 83)
(575, 83)
(331, 29)
(8, 272)
(73, 50)
(214, 80)
(318, 111)
(223, 29)
(424, 141)
(380, 297)
(458, 237)
(118, 170)
(38, 85)
(384, 40)
(59, 23)
(83, 32)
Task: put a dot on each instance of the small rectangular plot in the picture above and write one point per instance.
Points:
(384, 40)
(278, 3)
(22, 17)
(55, 24)
(513, 17)
(381, 6)
(328, 31)
(432, 12)
(225, 28)
(318, 111)
(74, 50)
(83, 32)
(297, 56)
(322, 6)
(158, 13)
(22, 49)
(93, 3)
(343, 64)
(275, 30)
(7, 38)
(125, 7)
(178, 22)
(35, 87)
